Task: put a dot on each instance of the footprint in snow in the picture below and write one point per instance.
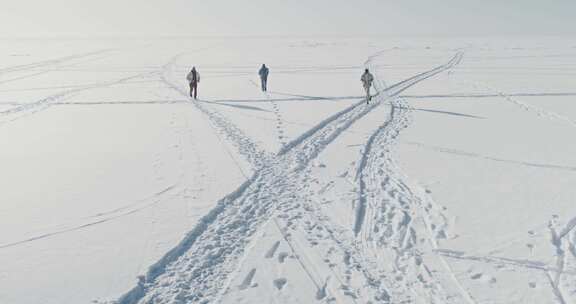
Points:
(483, 278)
(282, 257)
(279, 283)
(530, 247)
(247, 282)
(272, 250)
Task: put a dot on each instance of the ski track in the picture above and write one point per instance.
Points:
(332, 243)
(57, 68)
(196, 270)
(563, 242)
(340, 248)
(51, 62)
(70, 86)
(245, 146)
(24, 110)
(104, 217)
(392, 216)
(443, 96)
(176, 189)
(538, 111)
(491, 158)
(514, 264)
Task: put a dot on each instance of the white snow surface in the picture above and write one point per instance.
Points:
(455, 184)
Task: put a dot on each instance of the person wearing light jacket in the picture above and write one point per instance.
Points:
(367, 80)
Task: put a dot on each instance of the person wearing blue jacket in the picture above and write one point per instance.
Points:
(264, 77)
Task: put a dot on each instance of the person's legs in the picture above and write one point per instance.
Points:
(265, 84)
(191, 89)
(195, 90)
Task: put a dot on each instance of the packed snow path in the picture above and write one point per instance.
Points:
(196, 271)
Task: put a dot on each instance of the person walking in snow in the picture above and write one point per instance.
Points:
(367, 80)
(193, 79)
(264, 77)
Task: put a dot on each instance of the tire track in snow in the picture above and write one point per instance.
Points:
(195, 270)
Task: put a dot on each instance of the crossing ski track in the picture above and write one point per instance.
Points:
(50, 62)
(49, 66)
(396, 220)
(20, 110)
(23, 110)
(198, 269)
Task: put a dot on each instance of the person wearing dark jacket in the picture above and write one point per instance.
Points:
(193, 79)
(264, 77)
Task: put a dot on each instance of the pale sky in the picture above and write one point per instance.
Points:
(286, 17)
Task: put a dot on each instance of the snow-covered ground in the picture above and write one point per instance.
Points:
(454, 185)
